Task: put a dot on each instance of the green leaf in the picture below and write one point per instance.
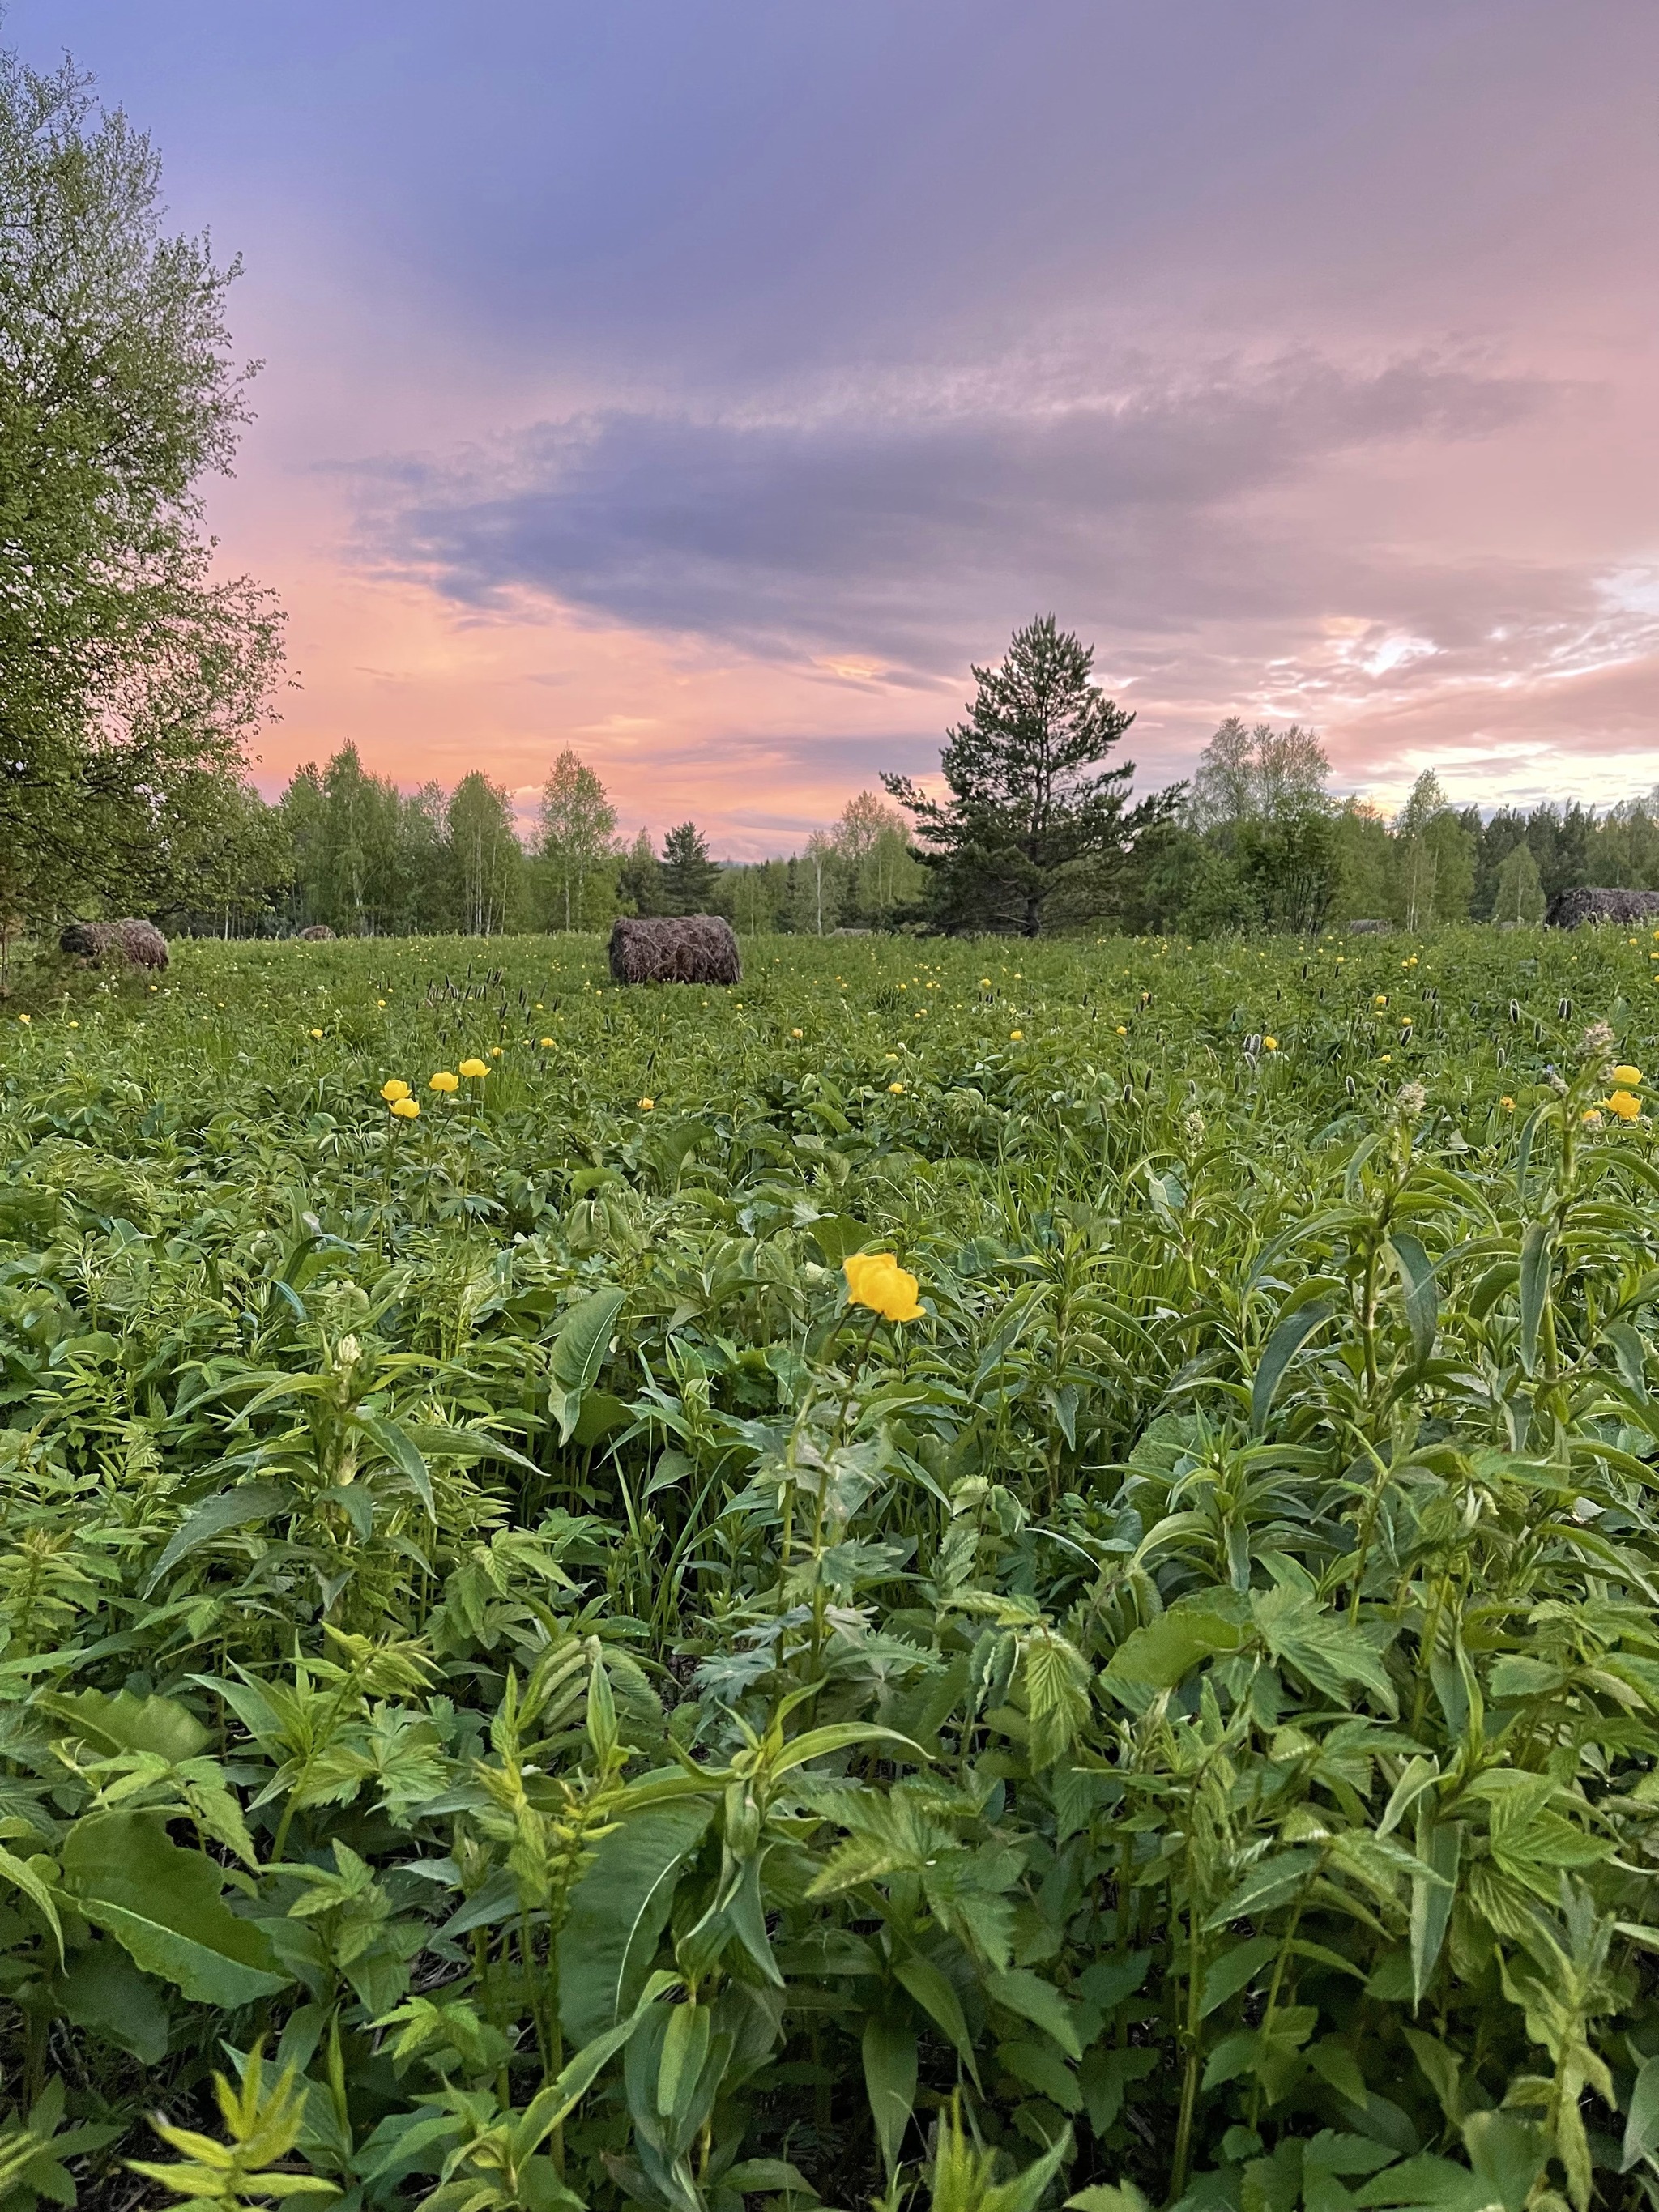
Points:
(1027, 1994)
(1642, 2123)
(1438, 1845)
(1331, 1652)
(104, 1992)
(938, 2000)
(399, 1447)
(248, 1504)
(1422, 1300)
(553, 2103)
(1157, 1658)
(164, 1905)
(124, 1723)
(618, 1911)
(835, 1235)
(22, 1877)
(1282, 1346)
(890, 2080)
(1535, 1290)
(578, 1354)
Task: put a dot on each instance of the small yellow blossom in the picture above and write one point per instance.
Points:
(74, 1025)
(1406, 1021)
(645, 1105)
(316, 1033)
(378, 1002)
(1386, 1058)
(474, 1069)
(798, 1033)
(897, 1090)
(546, 1041)
(1508, 1105)
(26, 1019)
(1381, 999)
(494, 1052)
(1591, 1118)
(1627, 1075)
(406, 1109)
(875, 1280)
(1016, 1036)
(443, 1080)
(1270, 1044)
(393, 1088)
(985, 981)
(1625, 1104)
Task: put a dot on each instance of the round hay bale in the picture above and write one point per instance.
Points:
(319, 934)
(687, 948)
(1570, 909)
(129, 943)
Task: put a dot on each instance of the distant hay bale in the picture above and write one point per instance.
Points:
(129, 944)
(1371, 928)
(319, 934)
(1568, 910)
(690, 948)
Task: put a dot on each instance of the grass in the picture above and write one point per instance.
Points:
(500, 1658)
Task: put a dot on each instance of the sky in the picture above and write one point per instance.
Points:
(707, 384)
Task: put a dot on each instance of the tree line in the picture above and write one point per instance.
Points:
(133, 678)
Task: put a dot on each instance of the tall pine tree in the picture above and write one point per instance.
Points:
(1027, 798)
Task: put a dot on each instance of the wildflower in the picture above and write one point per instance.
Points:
(985, 981)
(1381, 999)
(393, 1088)
(406, 1109)
(875, 1280)
(1625, 1104)
(1596, 1039)
(378, 1002)
(798, 1033)
(890, 1055)
(26, 1019)
(1016, 1036)
(1627, 1075)
(1121, 1031)
(316, 1033)
(74, 1025)
(474, 1069)
(645, 1105)
(1406, 1021)
(1270, 1044)
(547, 1041)
(1412, 1099)
(1508, 1105)
(1385, 1059)
(897, 1090)
(443, 1080)
(494, 1052)
(1592, 1120)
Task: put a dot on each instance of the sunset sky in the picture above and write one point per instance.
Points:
(705, 386)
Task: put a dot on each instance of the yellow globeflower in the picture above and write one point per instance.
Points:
(1627, 1075)
(1385, 1058)
(1508, 1105)
(1381, 999)
(645, 1105)
(1270, 1044)
(443, 1080)
(547, 1041)
(875, 1280)
(1121, 1031)
(798, 1033)
(393, 1088)
(316, 1033)
(1016, 1036)
(1624, 1105)
(494, 1052)
(406, 1109)
(897, 1090)
(473, 1067)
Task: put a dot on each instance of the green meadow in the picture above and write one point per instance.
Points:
(504, 1663)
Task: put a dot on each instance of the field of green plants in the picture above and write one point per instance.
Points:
(504, 1664)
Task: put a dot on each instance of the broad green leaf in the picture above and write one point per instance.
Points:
(1642, 2122)
(618, 1910)
(890, 2080)
(1281, 1347)
(938, 2000)
(578, 1354)
(1416, 1272)
(1021, 1991)
(124, 1723)
(1157, 1657)
(1438, 1846)
(164, 1905)
(245, 1507)
(1330, 1651)
(1535, 1290)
